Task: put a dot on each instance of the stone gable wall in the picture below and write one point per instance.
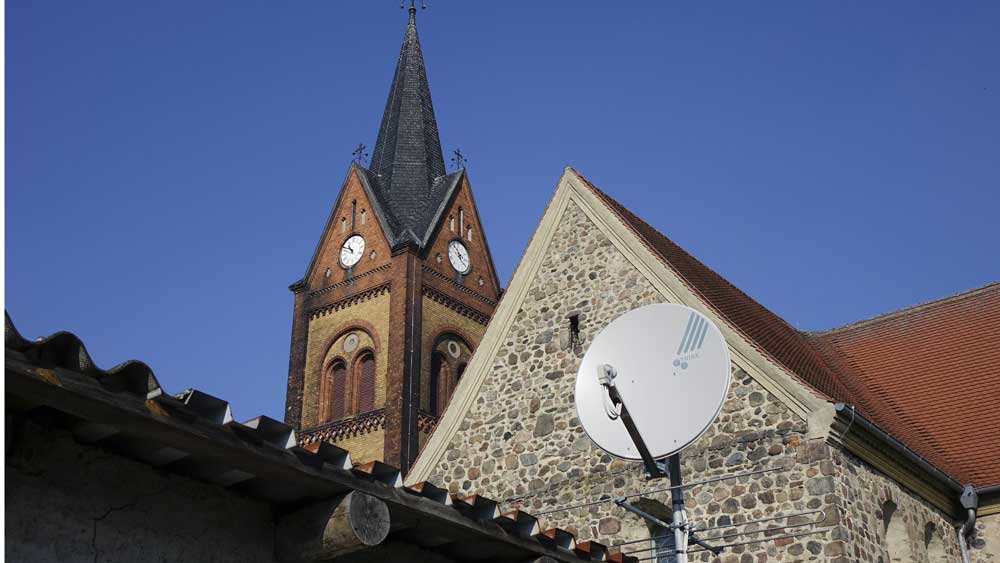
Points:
(522, 443)
(985, 542)
(862, 494)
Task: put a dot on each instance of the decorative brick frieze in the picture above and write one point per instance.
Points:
(345, 428)
(459, 287)
(352, 300)
(353, 280)
(426, 422)
(460, 308)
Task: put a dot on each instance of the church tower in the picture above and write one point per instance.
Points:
(398, 292)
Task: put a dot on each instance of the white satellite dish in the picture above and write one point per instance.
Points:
(671, 368)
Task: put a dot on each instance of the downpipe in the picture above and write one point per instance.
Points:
(970, 502)
(964, 530)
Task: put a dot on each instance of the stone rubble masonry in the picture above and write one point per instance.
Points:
(522, 442)
(861, 494)
(985, 543)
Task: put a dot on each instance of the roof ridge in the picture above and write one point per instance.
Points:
(692, 256)
(907, 310)
(782, 342)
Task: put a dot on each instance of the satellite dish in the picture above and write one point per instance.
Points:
(671, 367)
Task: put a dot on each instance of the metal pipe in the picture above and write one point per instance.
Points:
(677, 504)
(970, 502)
(989, 489)
(963, 531)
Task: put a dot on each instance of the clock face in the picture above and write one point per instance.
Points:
(352, 251)
(458, 255)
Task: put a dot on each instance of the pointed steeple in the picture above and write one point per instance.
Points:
(407, 158)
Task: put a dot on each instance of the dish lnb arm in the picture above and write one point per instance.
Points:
(606, 377)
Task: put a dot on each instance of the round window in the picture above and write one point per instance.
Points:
(351, 343)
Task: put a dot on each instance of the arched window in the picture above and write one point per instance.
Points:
(933, 544)
(897, 541)
(336, 390)
(364, 375)
(459, 372)
(438, 389)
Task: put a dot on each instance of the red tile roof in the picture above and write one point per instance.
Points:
(928, 374)
(931, 378)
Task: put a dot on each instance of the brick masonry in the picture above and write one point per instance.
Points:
(440, 320)
(325, 330)
(404, 299)
(521, 440)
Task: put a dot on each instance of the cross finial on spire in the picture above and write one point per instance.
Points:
(413, 6)
(360, 155)
(459, 159)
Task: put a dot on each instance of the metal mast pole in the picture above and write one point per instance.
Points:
(677, 503)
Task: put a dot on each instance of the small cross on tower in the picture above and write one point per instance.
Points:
(360, 155)
(459, 160)
(413, 7)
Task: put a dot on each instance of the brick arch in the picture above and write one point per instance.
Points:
(351, 326)
(444, 370)
(446, 330)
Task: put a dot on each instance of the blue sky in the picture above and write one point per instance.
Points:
(170, 165)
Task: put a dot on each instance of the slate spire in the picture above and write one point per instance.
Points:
(407, 156)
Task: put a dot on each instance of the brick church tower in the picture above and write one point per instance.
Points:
(398, 291)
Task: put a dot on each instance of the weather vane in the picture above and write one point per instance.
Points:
(360, 155)
(413, 7)
(459, 159)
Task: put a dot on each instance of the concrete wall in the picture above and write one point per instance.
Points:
(67, 502)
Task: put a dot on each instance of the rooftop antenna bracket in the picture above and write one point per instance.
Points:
(606, 377)
(683, 532)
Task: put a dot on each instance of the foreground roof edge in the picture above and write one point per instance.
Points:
(55, 372)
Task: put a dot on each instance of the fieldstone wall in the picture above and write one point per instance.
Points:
(872, 503)
(522, 442)
(984, 546)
